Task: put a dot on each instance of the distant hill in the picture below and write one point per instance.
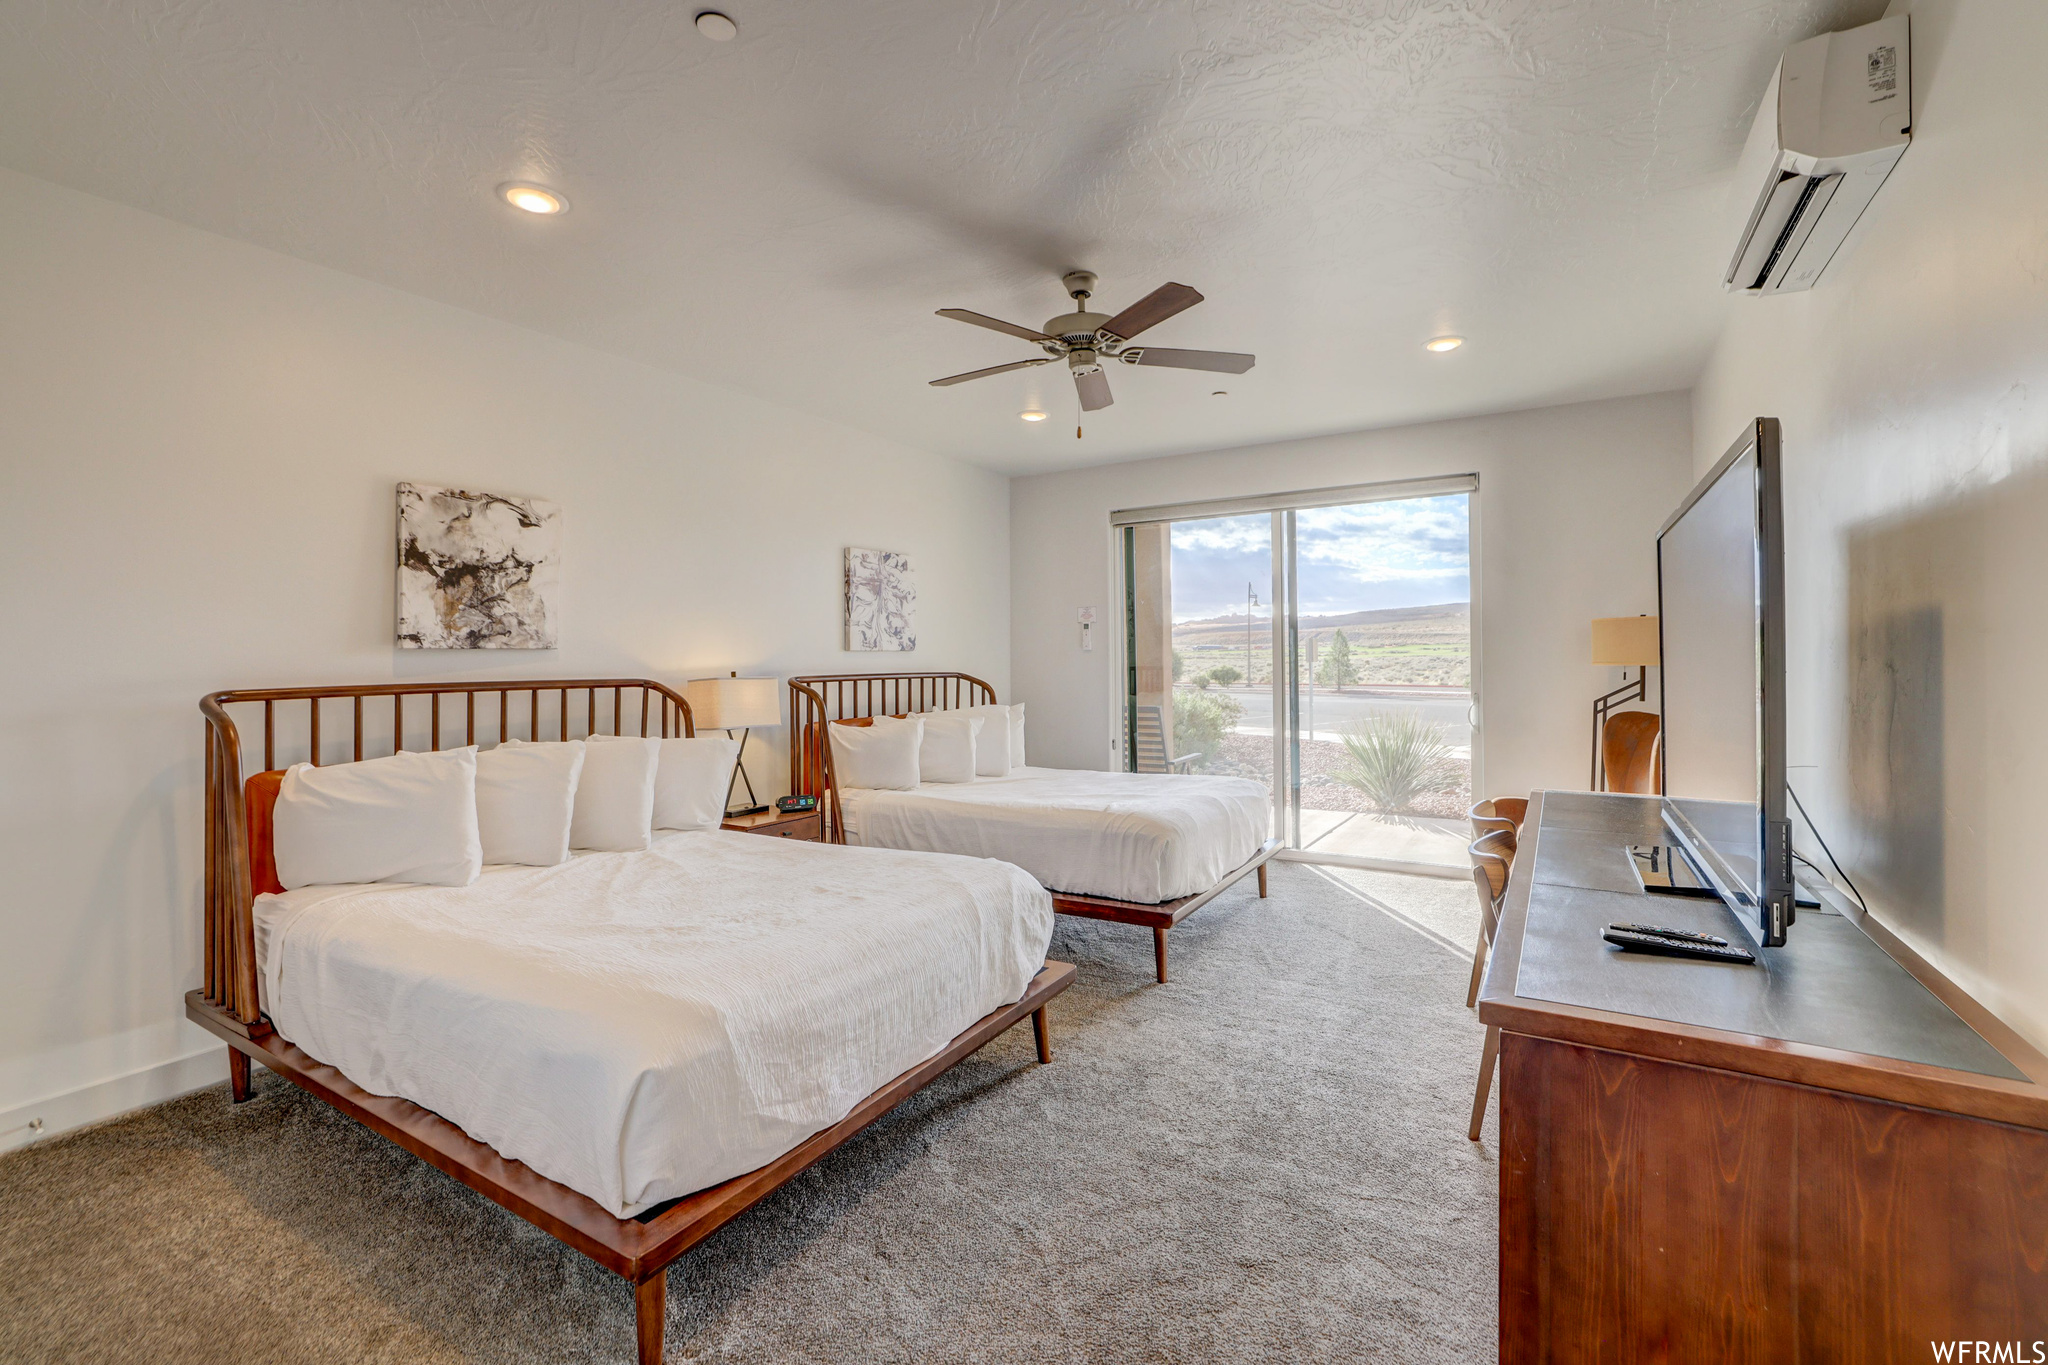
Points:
(1431, 644)
(1384, 616)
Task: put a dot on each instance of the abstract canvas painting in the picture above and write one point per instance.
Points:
(476, 570)
(881, 601)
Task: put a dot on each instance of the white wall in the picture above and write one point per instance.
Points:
(1569, 502)
(200, 442)
(1913, 388)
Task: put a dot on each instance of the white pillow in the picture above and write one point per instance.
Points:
(691, 781)
(525, 794)
(407, 818)
(992, 746)
(879, 757)
(946, 753)
(1017, 734)
(614, 810)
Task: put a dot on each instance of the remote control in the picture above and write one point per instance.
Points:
(1686, 935)
(1668, 943)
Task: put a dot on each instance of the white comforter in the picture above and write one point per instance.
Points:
(638, 1026)
(1145, 837)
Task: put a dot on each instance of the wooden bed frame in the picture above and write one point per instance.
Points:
(857, 697)
(239, 866)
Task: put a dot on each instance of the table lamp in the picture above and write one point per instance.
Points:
(735, 703)
(1622, 642)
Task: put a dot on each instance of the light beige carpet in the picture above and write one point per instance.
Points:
(1261, 1161)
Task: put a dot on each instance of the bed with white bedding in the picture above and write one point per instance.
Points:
(1137, 848)
(1143, 837)
(587, 1039)
(638, 1026)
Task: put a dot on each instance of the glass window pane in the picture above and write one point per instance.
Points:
(1385, 662)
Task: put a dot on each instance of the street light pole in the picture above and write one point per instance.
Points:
(1251, 599)
(1311, 687)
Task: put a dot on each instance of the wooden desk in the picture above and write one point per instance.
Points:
(1834, 1155)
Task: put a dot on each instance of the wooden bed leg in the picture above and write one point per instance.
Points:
(1159, 950)
(650, 1306)
(1262, 881)
(1038, 1031)
(239, 1088)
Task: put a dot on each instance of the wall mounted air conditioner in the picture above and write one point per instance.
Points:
(1835, 121)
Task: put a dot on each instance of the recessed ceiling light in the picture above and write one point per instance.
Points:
(532, 198)
(1033, 416)
(1442, 344)
(717, 27)
(1220, 393)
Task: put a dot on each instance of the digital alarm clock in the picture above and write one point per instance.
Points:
(790, 804)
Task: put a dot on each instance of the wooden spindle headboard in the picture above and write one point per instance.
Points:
(819, 700)
(235, 809)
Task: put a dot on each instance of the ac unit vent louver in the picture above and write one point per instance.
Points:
(1836, 119)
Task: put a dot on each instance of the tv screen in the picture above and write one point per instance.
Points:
(1720, 597)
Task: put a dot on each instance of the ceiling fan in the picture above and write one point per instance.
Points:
(1085, 340)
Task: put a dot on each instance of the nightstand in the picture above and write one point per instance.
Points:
(801, 824)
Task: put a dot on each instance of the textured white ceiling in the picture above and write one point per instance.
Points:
(782, 213)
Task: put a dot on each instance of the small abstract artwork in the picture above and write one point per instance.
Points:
(881, 601)
(476, 570)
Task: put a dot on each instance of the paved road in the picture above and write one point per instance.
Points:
(1327, 712)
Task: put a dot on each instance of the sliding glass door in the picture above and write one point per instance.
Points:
(1200, 652)
(1320, 643)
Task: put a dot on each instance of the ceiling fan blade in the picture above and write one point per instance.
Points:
(993, 324)
(1093, 387)
(1223, 362)
(993, 369)
(1155, 308)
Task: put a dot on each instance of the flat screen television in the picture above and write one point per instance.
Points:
(1721, 613)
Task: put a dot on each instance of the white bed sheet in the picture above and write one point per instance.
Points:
(1144, 837)
(638, 1026)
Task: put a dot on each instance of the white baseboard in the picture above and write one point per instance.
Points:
(61, 1113)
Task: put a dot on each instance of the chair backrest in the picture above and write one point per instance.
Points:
(1632, 752)
(1149, 744)
(1493, 857)
(1502, 812)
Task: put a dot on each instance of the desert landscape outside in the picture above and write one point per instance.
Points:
(1385, 641)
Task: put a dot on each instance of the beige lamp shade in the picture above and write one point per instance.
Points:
(1625, 641)
(733, 703)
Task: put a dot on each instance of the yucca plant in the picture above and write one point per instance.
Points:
(1396, 757)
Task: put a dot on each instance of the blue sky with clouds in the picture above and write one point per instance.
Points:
(1410, 553)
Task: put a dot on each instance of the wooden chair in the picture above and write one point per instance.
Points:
(1150, 743)
(1493, 857)
(1632, 752)
(1502, 812)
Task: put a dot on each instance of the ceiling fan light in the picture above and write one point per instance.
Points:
(1032, 415)
(1443, 344)
(533, 198)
